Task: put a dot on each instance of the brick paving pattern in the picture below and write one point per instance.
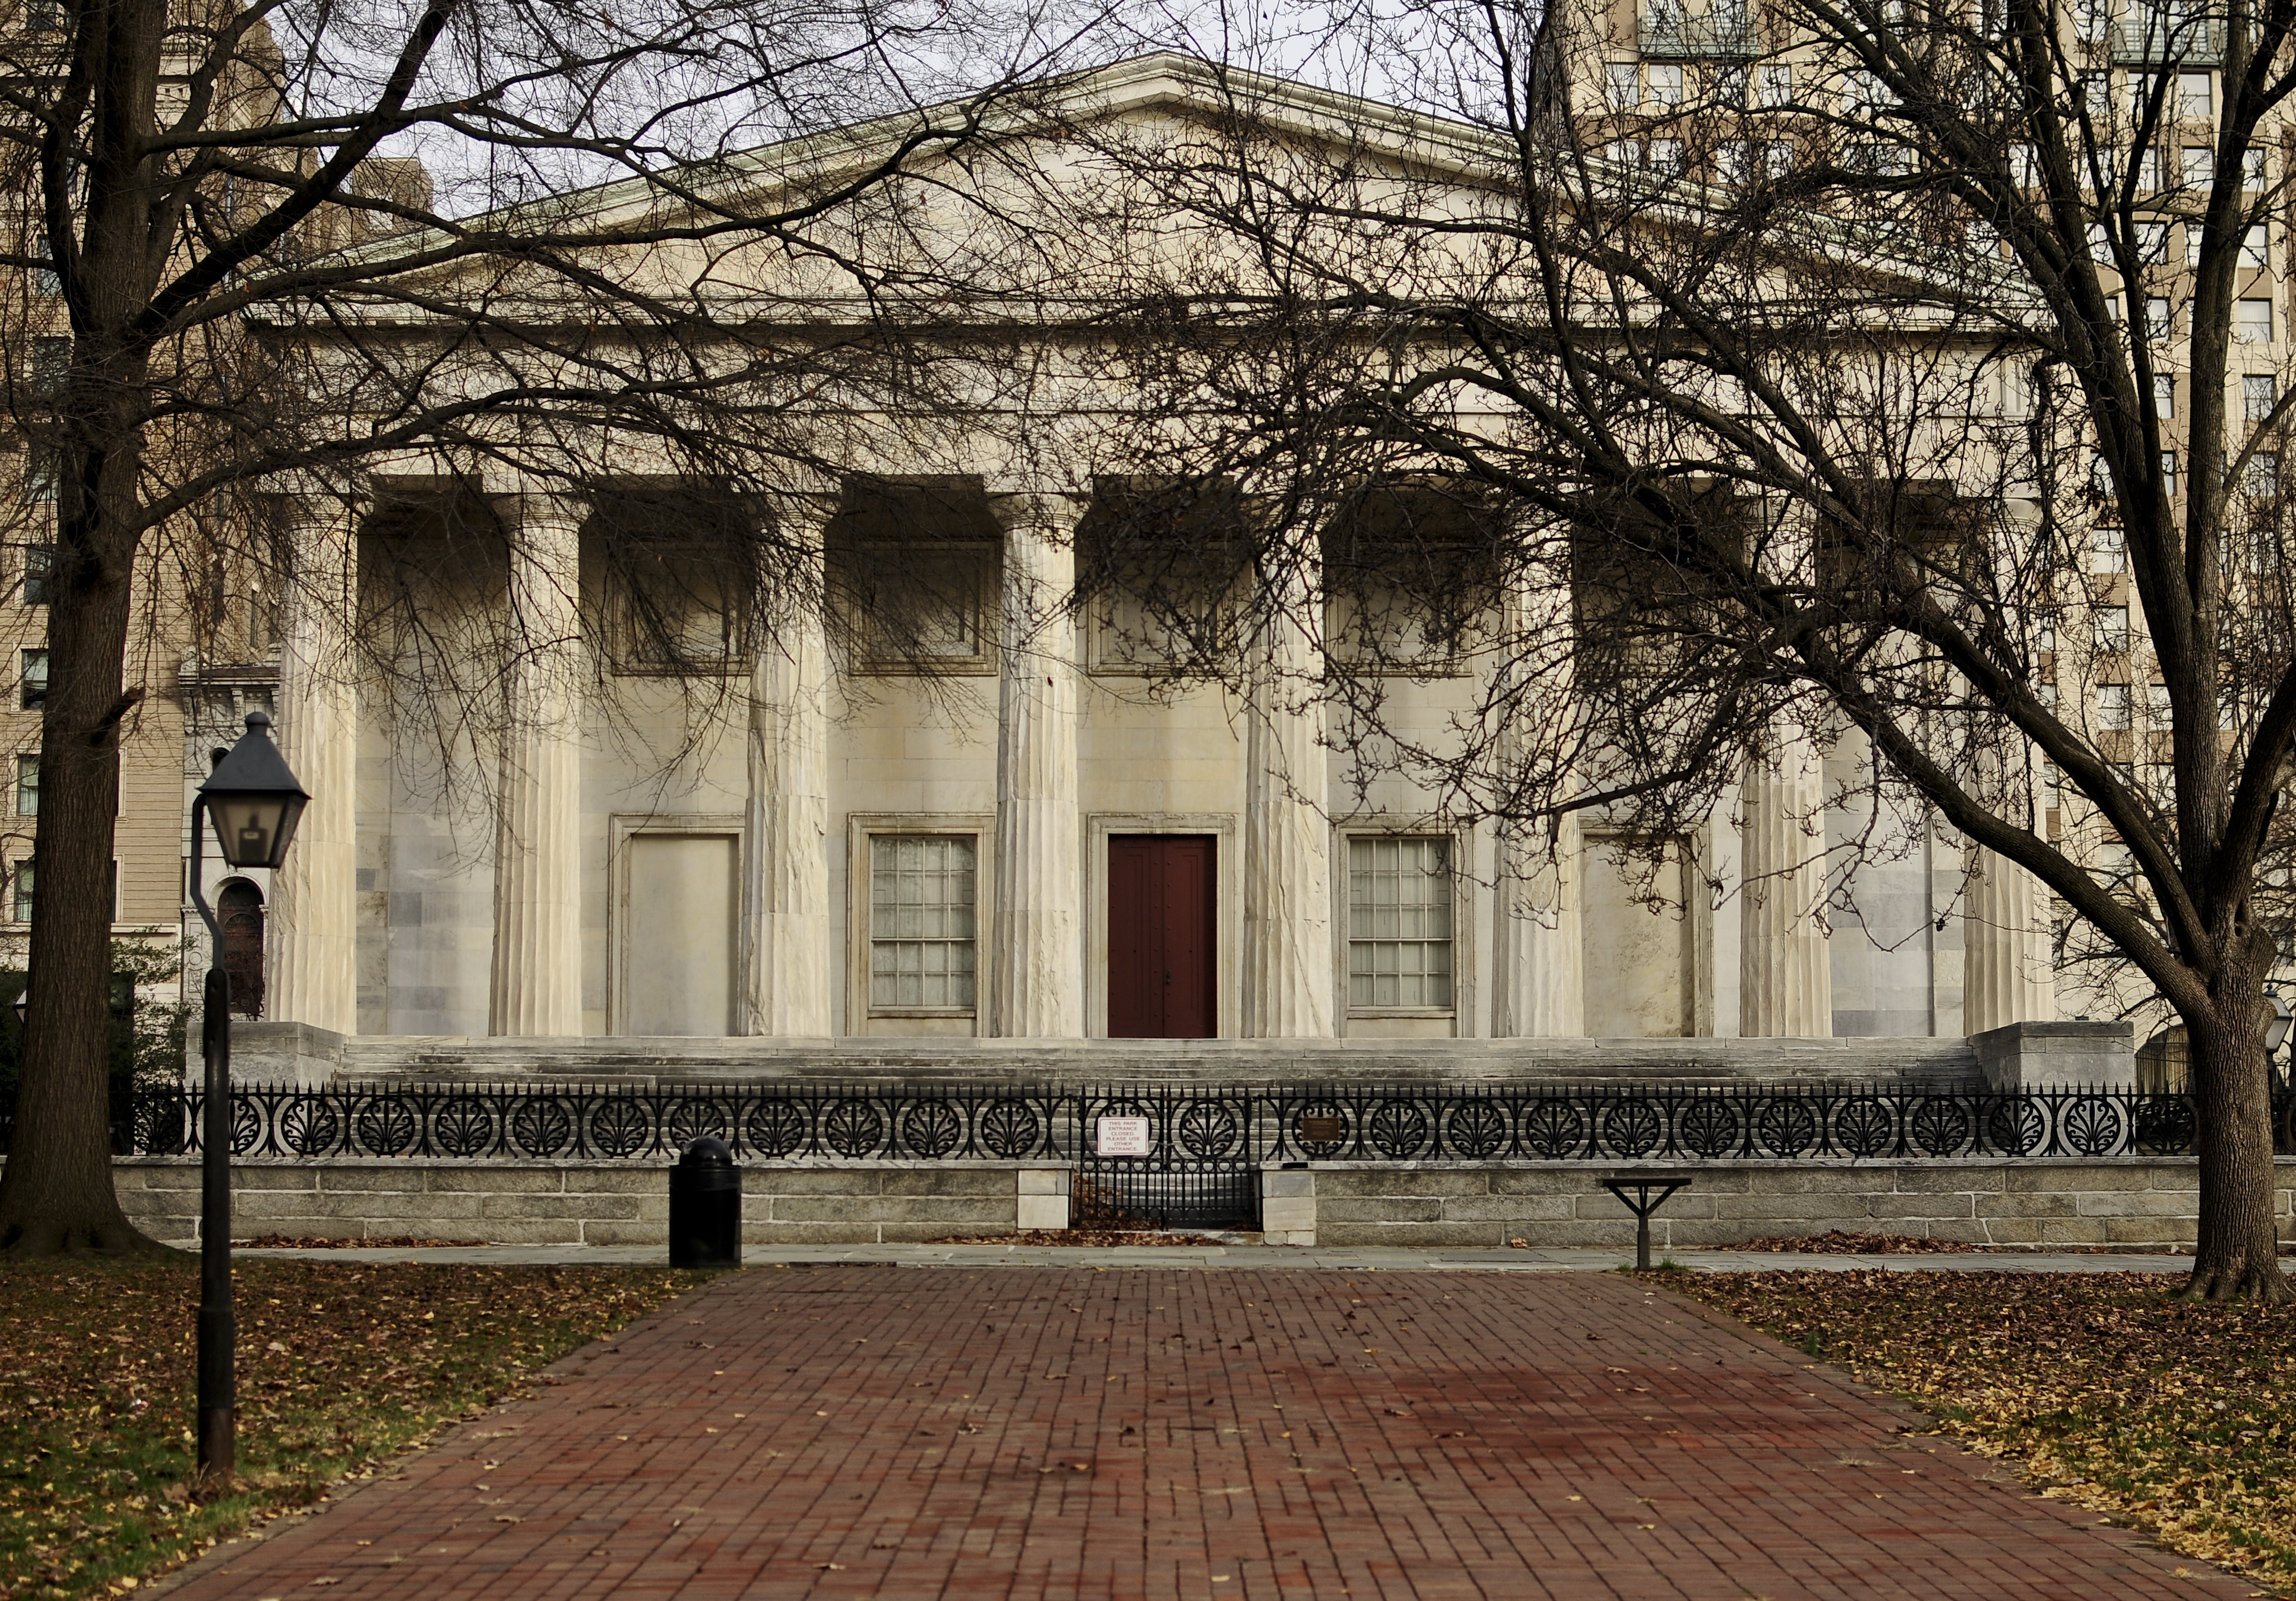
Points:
(917, 1432)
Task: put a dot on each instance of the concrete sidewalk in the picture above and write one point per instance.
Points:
(1260, 1259)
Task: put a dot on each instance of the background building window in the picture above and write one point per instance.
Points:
(51, 363)
(2257, 392)
(40, 574)
(921, 922)
(20, 900)
(27, 787)
(33, 681)
(1398, 922)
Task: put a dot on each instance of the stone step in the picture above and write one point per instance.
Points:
(276, 1051)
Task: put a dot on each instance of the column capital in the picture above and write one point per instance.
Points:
(1028, 502)
(318, 497)
(804, 511)
(543, 503)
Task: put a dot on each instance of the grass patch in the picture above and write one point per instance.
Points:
(340, 1365)
(2175, 1417)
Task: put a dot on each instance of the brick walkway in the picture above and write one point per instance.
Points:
(904, 1433)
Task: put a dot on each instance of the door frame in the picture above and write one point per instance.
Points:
(621, 827)
(1227, 912)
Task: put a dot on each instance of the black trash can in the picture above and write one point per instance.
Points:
(705, 1207)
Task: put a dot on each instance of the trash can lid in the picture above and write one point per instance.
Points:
(708, 1152)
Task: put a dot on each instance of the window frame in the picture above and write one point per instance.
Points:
(926, 1008)
(1457, 844)
(863, 829)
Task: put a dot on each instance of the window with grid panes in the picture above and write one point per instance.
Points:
(1398, 922)
(921, 922)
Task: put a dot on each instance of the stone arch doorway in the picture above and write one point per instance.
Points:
(239, 913)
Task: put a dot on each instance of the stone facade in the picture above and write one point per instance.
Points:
(2140, 1204)
(567, 1203)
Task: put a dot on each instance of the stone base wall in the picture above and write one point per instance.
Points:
(567, 1203)
(2134, 1202)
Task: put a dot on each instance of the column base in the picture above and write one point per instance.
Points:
(2056, 1056)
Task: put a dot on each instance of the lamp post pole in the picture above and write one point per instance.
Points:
(218, 1328)
(255, 803)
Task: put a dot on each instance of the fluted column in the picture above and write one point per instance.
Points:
(2010, 975)
(536, 987)
(1542, 983)
(2009, 969)
(785, 825)
(1287, 838)
(1540, 960)
(313, 909)
(1036, 987)
(1786, 982)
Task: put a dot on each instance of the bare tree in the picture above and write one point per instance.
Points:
(1872, 374)
(266, 247)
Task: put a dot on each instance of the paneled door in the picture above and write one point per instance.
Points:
(1162, 950)
(680, 933)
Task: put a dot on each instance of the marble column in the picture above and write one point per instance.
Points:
(537, 988)
(785, 922)
(2009, 967)
(1785, 982)
(313, 910)
(1541, 959)
(1287, 836)
(2009, 973)
(1036, 969)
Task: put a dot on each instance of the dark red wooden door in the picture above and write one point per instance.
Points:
(1160, 950)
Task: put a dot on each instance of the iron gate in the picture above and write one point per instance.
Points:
(1198, 1165)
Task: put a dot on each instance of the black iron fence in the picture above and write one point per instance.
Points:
(1187, 1128)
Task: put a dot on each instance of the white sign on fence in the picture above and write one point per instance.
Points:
(1121, 1136)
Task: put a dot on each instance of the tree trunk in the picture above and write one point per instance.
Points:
(2239, 1249)
(56, 1194)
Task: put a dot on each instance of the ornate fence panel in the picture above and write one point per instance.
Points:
(1735, 1123)
(1199, 1168)
(1205, 1142)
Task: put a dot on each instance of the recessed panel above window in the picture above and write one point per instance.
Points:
(1411, 575)
(1160, 563)
(680, 566)
(914, 572)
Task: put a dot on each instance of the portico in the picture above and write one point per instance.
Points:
(962, 812)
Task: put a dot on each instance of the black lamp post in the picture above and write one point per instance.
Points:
(256, 803)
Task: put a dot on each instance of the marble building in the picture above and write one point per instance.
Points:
(1035, 840)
